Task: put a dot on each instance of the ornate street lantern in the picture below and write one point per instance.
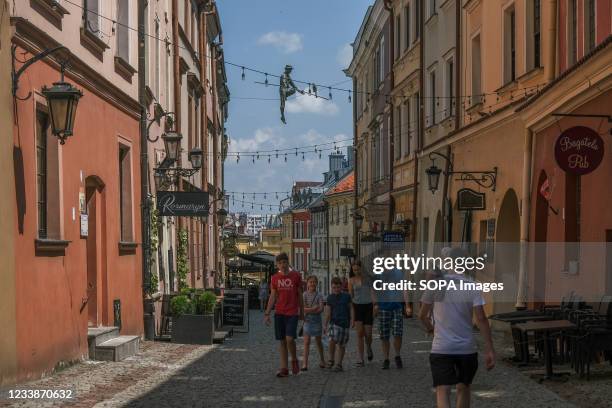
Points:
(433, 177)
(195, 157)
(358, 220)
(221, 214)
(62, 100)
(172, 144)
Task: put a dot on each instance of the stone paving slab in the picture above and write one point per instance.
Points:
(240, 373)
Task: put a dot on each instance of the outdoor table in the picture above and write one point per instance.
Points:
(521, 347)
(545, 327)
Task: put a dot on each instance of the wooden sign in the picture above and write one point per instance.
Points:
(468, 199)
(236, 309)
(182, 203)
(579, 150)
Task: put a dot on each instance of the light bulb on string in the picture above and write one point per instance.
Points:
(253, 158)
(303, 158)
(257, 155)
(238, 158)
(253, 196)
(319, 154)
(296, 152)
(262, 207)
(243, 74)
(269, 157)
(285, 157)
(349, 97)
(266, 82)
(243, 196)
(330, 94)
(252, 206)
(277, 154)
(265, 196)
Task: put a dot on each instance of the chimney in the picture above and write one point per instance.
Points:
(335, 161)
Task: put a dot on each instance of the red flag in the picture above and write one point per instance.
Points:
(545, 190)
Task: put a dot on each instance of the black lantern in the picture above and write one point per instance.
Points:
(221, 214)
(172, 144)
(62, 100)
(195, 157)
(159, 178)
(358, 220)
(433, 177)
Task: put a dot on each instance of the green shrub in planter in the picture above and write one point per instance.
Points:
(187, 291)
(206, 302)
(181, 305)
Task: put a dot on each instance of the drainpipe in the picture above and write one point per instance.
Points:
(421, 121)
(177, 95)
(215, 155)
(521, 296)
(204, 132)
(145, 200)
(551, 41)
(389, 8)
(356, 170)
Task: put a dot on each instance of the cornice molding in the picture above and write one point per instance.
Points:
(34, 40)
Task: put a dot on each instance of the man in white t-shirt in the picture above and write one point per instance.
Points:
(454, 353)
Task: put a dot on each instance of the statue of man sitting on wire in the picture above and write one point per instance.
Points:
(286, 89)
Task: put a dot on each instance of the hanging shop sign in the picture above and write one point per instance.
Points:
(579, 150)
(468, 200)
(182, 203)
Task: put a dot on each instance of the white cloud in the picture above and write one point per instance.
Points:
(264, 136)
(345, 55)
(311, 104)
(284, 41)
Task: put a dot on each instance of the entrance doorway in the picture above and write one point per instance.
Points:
(97, 313)
(507, 253)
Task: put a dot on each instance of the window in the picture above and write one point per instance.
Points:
(589, 25)
(432, 97)
(417, 20)
(47, 178)
(450, 87)
(92, 18)
(345, 214)
(537, 19)
(432, 7)
(572, 38)
(476, 70)
(122, 30)
(533, 34)
(509, 45)
(406, 26)
(407, 129)
(125, 193)
(187, 18)
(398, 35)
(397, 134)
(156, 66)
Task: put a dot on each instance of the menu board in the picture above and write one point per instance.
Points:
(236, 309)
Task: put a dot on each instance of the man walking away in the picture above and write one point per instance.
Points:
(390, 312)
(454, 357)
(286, 291)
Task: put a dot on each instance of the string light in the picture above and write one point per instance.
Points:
(243, 74)
(349, 97)
(330, 94)
(266, 81)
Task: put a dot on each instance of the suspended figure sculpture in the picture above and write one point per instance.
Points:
(286, 89)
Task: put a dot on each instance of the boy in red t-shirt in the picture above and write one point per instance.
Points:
(286, 291)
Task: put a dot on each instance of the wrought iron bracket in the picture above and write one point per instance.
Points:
(486, 179)
(176, 171)
(158, 114)
(16, 73)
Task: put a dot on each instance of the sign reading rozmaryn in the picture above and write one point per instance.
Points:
(579, 150)
(182, 203)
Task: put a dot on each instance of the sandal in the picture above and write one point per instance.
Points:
(304, 368)
(360, 364)
(322, 365)
(283, 372)
(337, 368)
(330, 364)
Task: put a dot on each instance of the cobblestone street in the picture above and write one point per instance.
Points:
(241, 373)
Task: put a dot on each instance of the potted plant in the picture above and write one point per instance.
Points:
(193, 317)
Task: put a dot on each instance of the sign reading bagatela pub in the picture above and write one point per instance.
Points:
(182, 203)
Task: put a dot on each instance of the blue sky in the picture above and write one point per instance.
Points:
(314, 37)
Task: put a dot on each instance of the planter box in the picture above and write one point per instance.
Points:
(193, 329)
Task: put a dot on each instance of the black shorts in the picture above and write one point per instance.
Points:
(285, 326)
(364, 313)
(451, 369)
